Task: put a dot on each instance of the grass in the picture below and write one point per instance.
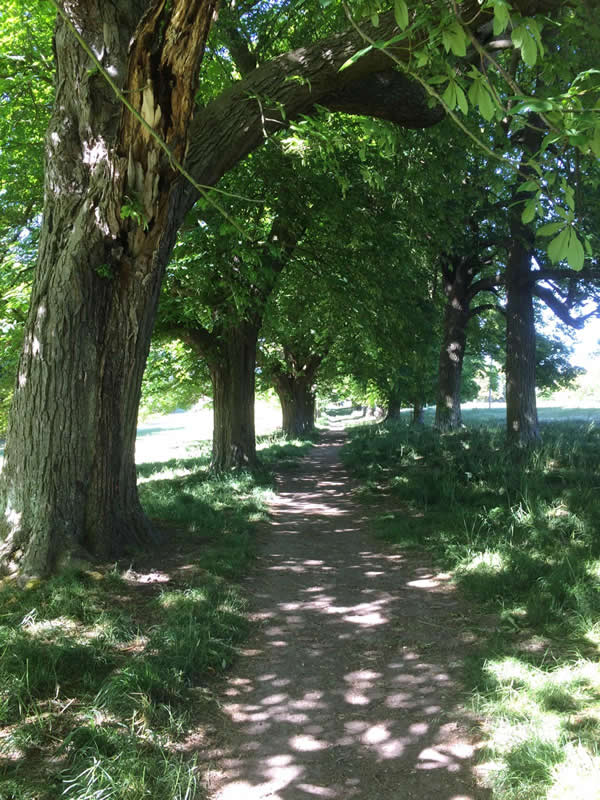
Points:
(104, 673)
(520, 532)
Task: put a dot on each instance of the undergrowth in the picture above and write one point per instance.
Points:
(104, 672)
(520, 531)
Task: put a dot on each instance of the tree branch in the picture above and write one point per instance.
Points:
(201, 341)
(559, 308)
(485, 285)
(549, 274)
(486, 307)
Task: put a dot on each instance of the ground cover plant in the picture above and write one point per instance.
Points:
(520, 531)
(104, 671)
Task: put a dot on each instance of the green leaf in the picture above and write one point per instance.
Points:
(557, 249)
(375, 20)
(575, 253)
(422, 58)
(523, 39)
(486, 104)
(474, 91)
(529, 211)
(528, 186)
(401, 14)
(570, 197)
(536, 104)
(462, 100)
(437, 79)
(355, 57)
(537, 35)
(550, 228)
(449, 96)
(455, 39)
(501, 18)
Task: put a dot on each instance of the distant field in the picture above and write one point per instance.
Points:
(497, 415)
(174, 435)
(161, 438)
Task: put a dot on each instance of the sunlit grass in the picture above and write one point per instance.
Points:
(520, 532)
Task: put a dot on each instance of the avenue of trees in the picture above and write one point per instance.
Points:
(377, 196)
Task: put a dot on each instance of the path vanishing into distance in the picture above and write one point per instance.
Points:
(349, 686)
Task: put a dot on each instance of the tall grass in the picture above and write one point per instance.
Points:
(520, 532)
(104, 673)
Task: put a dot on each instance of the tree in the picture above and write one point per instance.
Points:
(66, 483)
(114, 200)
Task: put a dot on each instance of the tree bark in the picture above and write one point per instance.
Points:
(522, 426)
(394, 405)
(233, 379)
(294, 384)
(418, 415)
(521, 408)
(457, 281)
(297, 397)
(68, 486)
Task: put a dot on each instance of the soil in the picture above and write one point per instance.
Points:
(350, 686)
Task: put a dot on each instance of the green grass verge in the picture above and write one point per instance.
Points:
(104, 673)
(520, 532)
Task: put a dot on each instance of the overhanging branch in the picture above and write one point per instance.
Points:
(560, 309)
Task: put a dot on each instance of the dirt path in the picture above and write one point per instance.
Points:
(348, 688)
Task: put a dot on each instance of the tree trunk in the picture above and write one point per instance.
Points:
(418, 415)
(456, 317)
(68, 486)
(394, 406)
(233, 378)
(521, 408)
(297, 399)
(458, 274)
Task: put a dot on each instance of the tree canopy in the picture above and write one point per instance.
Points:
(156, 103)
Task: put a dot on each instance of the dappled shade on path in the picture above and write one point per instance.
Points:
(349, 687)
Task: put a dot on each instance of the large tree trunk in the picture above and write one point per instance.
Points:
(69, 484)
(294, 385)
(521, 409)
(297, 397)
(233, 378)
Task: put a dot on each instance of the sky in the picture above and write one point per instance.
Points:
(587, 343)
